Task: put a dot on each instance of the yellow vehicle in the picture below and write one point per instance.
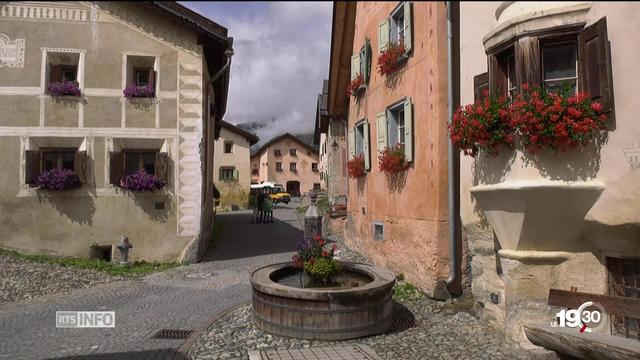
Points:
(276, 192)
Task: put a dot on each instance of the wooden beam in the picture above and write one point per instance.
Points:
(626, 306)
(583, 345)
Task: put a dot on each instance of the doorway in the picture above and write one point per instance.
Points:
(293, 188)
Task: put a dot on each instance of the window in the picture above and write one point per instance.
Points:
(378, 231)
(316, 186)
(228, 174)
(314, 167)
(560, 66)
(276, 152)
(135, 160)
(58, 159)
(142, 76)
(228, 147)
(278, 166)
(396, 126)
(361, 63)
(292, 167)
(255, 172)
(292, 152)
(62, 66)
(309, 152)
(396, 28)
(578, 60)
(360, 138)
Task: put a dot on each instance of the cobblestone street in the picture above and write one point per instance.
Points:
(182, 298)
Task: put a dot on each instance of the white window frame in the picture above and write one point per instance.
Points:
(393, 126)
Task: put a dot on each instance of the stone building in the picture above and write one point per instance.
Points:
(231, 161)
(553, 220)
(165, 56)
(396, 220)
(288, 161)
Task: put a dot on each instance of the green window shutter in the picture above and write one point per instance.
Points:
(408, 129)
(365, 147)
(408, 40)
(352, 143)
(381, 130)
(355, 66)
(383, 35)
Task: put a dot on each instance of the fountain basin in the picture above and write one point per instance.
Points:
(333, 313)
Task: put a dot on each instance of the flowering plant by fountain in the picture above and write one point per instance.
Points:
(141, 181)
(136, 91)
(316, 261)
(57, 180)
(64, 88)
(354, 85)
(389, 58)
(392, 160)
(540, 119)
(355, 166)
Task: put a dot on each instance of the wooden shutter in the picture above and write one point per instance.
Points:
(365, 146)
(355, 66)
(152, 81)
(381, 130)
(55, 73)
(32, 168)
(236, 175)
(116, 167)
(80, 165)
(383, 35)
(408, 129)
(480, 86)
(527, 53)
(352, 143)
(162, 166)
(367, 61)
(595, 64)
(497, 77)
(408, 40)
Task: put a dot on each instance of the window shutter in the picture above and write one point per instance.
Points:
(408, 40)
(152, 81)
(383, 35)
(352, 143)
(55, 73)
(162, 166)
(595, 64)
(116, 173)
(355, 66)
(32, 168)
(527, 54)
(496, 76)
(367, 61)
(480, 85)
(236, 175)
(381, 130)
(365, 146)
(408, 129)
(80, 165)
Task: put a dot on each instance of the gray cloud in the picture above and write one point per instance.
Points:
(281, 57)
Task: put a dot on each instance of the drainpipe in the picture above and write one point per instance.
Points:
(228, 54)
(443, 287)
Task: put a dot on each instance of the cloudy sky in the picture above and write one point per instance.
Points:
(281, 57)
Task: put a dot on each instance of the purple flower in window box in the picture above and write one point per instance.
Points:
(141, 181)
(136, 91)
(64, 88)
(57, 180)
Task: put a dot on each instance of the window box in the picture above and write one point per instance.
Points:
(356, 167)
(393, 160)
(64, 88)
(68, 164)
(133, 91)
(57, 180)
(139, 170)
(391, 57)
(141, 181)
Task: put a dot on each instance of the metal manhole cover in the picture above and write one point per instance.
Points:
(172, 334)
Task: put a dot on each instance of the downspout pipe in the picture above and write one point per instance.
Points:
(227, 54)
(454, 163)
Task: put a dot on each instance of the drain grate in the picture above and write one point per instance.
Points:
(403, 324)
(172, 334)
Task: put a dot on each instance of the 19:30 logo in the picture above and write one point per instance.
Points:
(586, 317)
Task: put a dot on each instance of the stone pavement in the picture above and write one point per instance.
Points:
(182, 298)
(350, 352)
